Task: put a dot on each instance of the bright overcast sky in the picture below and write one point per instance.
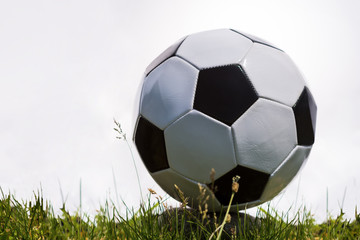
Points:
(67, 68)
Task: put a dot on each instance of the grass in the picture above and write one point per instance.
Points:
(36, 219)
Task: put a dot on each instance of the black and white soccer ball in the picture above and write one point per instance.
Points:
(229, 101)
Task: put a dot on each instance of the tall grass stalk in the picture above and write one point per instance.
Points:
(122, 136)
(116, 189)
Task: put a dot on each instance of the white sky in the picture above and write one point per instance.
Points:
(67, 68)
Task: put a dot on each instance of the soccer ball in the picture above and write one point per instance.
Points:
(227, 101)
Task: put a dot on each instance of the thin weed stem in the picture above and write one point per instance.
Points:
(122, 136)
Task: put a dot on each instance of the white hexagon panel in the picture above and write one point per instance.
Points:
(264, 135)
(273, 74)
(168, 92)
(214, 48)
(227, 101)
(196, 143)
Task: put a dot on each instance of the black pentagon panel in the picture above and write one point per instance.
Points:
(305, 117)
(150, 142)
(251, 185)
(224, 93)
